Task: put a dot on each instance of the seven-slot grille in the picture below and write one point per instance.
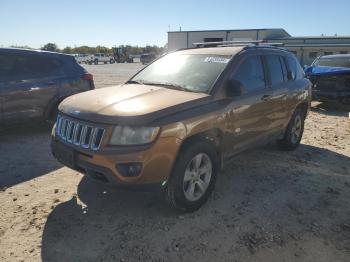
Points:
(78, 133)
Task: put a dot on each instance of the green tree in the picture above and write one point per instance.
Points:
(67, 50)
(21, 46)
(50, 47)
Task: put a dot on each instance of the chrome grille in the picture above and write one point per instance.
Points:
(78, 133)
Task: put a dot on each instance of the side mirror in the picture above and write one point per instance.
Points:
(234, 88)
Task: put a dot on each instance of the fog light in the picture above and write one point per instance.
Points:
(129, 169)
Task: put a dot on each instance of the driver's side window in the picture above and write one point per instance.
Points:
(251, 74)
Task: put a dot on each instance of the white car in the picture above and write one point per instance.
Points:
(82, 58)
(100, 57)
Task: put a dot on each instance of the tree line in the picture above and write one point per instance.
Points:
(134, 50)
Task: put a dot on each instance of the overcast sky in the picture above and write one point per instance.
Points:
(111, 23)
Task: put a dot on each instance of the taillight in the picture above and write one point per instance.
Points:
(88, 77)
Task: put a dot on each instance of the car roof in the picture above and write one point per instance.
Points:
(32, 51)
(336, 56)
(228, 50)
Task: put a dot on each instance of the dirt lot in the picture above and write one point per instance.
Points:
(268, 205)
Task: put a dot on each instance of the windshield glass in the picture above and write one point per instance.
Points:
(335, 62)
(196, 73)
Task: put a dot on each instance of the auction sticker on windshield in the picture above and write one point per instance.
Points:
(215, 59)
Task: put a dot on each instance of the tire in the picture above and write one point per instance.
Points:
(51, 117)
(187, 189)
(345, 101)
(111, 61)
(96, 62)
(294, 131)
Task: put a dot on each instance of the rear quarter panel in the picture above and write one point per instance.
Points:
(73, 81)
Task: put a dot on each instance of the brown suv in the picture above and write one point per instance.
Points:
(175, 122)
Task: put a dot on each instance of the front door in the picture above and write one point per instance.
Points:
(248, 115)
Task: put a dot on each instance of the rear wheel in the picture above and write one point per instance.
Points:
(193, 177)
(111, 61)
(294, 131)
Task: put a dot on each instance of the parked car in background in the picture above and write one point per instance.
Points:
(82, 58)
(33, 83)
(147, 58)
(175, 122)
(330, 77)
(101, 58)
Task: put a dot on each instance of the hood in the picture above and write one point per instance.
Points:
(130, 104)
(326, 70)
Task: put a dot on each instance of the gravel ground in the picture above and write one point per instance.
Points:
(267, 206)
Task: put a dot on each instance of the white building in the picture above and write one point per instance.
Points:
(306, 48)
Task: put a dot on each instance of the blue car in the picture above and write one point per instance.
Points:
(33, 83)
(330, 77)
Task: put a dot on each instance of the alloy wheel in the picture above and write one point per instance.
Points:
(197, 176)
(296, 129)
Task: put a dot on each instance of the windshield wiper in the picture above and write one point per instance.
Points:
(166, 85)
(134, 82)
(170, 86)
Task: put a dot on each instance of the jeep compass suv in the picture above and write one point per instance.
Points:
(175, 122)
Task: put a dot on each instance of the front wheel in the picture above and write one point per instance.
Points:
(294, 131)
(193, 177)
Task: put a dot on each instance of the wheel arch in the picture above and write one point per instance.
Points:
(304, 107)
(212, 136)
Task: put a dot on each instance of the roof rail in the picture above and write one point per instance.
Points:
(236, 43)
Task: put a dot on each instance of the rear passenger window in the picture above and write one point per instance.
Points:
(30, 66)
(284, 68)
(275, 69)
(295, 68)
(251, 74)
(7, 63)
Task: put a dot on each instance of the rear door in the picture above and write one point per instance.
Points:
(14, 90)
(278, 82)
(32, 83)
(7, 62)
(248, 116)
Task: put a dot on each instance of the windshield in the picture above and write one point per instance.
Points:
(196, 73)
(334, 62)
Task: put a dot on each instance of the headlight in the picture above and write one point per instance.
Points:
(124, 135)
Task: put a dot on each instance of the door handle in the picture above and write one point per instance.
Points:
(266, 97)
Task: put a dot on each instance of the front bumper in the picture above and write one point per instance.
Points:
(321, 95)
(156, 159)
